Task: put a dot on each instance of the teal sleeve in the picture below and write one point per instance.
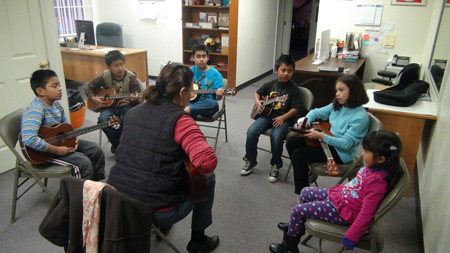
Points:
(322, 113)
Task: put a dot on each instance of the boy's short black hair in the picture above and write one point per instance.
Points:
(39, 79)
(112, 56)
(200, 47)
(357, 94)
(286, 59)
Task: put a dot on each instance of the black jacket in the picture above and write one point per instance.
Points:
(125, 223)
(149, 163)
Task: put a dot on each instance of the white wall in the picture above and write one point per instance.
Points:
(256, 38)
(411, 28)
(435, 177)
(161, 37)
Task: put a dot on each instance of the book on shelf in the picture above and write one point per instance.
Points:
(212, 17)
(224, 18)
(202, 17)
(224, 28)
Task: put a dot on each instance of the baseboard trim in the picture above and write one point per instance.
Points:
(251, 81)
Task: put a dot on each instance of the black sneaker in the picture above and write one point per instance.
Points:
(274, 174)
(210, 245)
(248, 167)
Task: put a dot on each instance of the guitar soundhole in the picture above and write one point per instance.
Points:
(106, 97)
(60, 137)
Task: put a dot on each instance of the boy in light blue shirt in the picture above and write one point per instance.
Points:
(207, 78)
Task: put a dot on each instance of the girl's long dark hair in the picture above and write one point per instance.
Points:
(389, 145)
(357, 93)
(172, 78)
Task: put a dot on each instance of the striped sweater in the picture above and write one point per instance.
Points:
(39, 114)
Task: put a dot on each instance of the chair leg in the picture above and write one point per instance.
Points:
(217, 133)
(306, 239)
(225, 122)
(45, 182)
(162, 236)
(320, 245)
(287, 172)
(14, 199)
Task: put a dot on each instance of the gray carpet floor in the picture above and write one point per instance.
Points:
(246, 209)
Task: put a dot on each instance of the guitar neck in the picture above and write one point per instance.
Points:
(270, 101)
(205, 91)
(77, 132)
(326, 150)
(120, 96)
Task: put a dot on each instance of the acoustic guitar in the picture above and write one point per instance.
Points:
(268, 105)
(196, 183)
(198, 92)
(324, 127)
(60, 135)
(111, 97)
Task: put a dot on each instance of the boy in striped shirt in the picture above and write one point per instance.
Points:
(87, 158)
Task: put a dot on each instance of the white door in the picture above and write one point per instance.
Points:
(25, 28)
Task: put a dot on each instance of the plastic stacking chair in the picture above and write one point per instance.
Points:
(348, 170)
(9, 131)
(373, 238)
(308, 100)
(220, 117)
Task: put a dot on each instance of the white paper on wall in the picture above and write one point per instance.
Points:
(148, 9)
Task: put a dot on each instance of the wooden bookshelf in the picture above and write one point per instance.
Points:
(191, 13)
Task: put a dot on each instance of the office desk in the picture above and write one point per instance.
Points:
(321, 83)
(407, 121)
(83, 65)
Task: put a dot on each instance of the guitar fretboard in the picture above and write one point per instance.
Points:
(204, 91)
(326, 150)
(120, 96)
(75, 133)
(273, 100)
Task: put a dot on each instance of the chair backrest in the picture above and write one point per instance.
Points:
(109, 34)
(395, 195)
(10, 126)
(307, 97)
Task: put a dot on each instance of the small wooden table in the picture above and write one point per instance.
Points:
(83, 65)
(322, 83)
(408, 122)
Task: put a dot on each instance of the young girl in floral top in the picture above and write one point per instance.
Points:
(353, 204)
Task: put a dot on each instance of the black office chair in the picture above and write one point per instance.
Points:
(407, 74)
(109, 34)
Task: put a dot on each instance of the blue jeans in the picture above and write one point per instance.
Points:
(106, 114)
(204, 107)
(276, 140)
(201, 212)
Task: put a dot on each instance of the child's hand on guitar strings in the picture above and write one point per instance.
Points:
(134, 96)
(315, 135)
(99, 101)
